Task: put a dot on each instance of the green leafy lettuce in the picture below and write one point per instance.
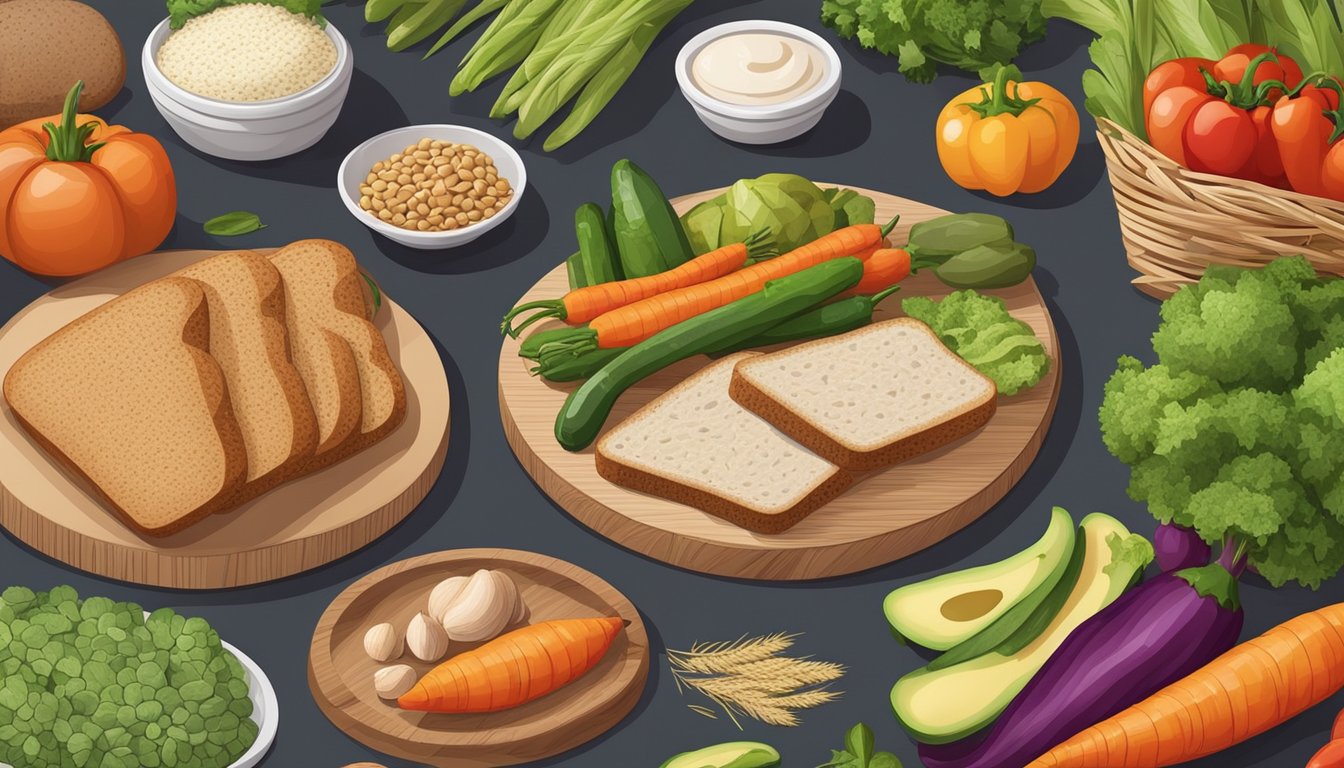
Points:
(974, 35)
(1238, 430)
(982, 332)
(181, 11)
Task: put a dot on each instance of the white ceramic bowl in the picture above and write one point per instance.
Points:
(251, 130)
(765, 124)
(265, 710)
(361, 159)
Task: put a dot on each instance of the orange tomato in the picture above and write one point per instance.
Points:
(1006, 137)
(81, 195)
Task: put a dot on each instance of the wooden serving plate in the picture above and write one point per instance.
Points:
(340, 674)
(300, 525)
(885, 516)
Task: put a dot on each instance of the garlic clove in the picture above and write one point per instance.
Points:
(509, 593)
(482, 611)
(520, 614)
(444, 594)
(426, 638)
(382, 642)
(394, 681)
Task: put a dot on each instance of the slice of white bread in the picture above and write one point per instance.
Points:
(695, 446)
(128, 397)
(356, 390)
(869, 398)
(249, 340)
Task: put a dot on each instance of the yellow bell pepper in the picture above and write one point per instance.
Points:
(1006, 137)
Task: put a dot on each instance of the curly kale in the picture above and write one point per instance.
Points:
(974, 35)
(1238, 430)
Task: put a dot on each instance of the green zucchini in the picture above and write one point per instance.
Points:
(988, 266)
(946, 236)
(648, 234)
(586, 409)
(577, 272)
(600, 261)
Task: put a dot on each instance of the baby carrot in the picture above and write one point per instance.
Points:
(581, 305)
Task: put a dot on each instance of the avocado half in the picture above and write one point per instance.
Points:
(949, 609)
(932, 703)
(734, 754)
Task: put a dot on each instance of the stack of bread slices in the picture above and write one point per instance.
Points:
(199, 391)
(763, 440)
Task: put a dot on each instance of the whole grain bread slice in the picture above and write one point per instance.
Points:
(869, 398)
(695, 446)
(249, 340)
(356, 390)
(128, 398)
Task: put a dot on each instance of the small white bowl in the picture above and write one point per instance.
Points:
(361, 159)
(764, 124)
(249, 130)
(265, 709)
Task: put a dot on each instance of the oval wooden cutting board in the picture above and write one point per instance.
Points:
(885, 516)
(340, 673)
(300, 525)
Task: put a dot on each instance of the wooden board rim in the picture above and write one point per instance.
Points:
(154, 562)
(782, 557)
(355, 718)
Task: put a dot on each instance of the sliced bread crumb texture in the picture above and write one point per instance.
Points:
(696, 446)
(334, 341)
(128, 397)
(249, 341)
(870, 398)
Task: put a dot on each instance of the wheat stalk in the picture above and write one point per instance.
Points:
(750, 677)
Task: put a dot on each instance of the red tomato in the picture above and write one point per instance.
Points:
(1219, 138)
(1170, 113)
(1265, 166)
(1330, 756)
(1232, 67)
(1169, 74)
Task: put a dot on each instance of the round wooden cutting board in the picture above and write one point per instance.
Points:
(340, 673)
(885, 516)
(300, 525)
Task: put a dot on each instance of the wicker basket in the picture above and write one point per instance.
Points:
(1176, 222)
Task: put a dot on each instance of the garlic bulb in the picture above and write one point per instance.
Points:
(392, 682)
(426, 639)
(483, 609)
(444, 594)
(382, 642)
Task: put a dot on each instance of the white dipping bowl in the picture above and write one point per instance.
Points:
(760, 124)
(265, 709)
(361, 159)
(249, 130)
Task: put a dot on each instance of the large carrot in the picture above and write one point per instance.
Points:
(636, 322)
(581, 305)
(514, 668)
(1246, 691)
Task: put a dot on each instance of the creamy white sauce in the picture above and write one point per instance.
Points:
(758, 68)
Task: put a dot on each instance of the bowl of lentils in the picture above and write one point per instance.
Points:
(253, 81)
(432, 186)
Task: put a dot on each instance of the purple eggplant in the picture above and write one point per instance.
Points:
(1152, 636)
(1177, 547)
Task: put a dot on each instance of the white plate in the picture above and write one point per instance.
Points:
(265, 709)
(356, 167)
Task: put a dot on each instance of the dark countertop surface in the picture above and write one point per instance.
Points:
(877, 134)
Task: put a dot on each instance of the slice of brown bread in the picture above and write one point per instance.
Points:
(128, 398)
(869, 398)
(249, 340)
(695, 446)
(356, 390)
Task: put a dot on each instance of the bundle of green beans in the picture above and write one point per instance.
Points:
(559, 50)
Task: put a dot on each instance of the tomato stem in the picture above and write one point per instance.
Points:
(67, 140)
(1000, 102)
(1245, 94)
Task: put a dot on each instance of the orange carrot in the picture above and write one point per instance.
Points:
(883, 269)
(1246, 691)
(583, 304)
(633, 323)
(514, 668)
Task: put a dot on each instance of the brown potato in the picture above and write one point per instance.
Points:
(45, 46)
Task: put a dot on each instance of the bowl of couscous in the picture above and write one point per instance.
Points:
(250, 81)
(432, 186)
